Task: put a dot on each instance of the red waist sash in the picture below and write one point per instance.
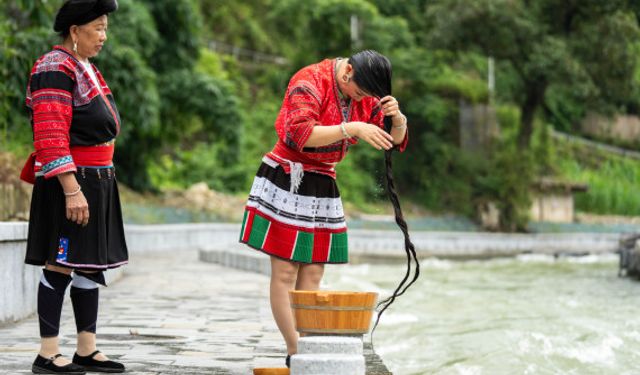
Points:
(86, 156)
(93, 156)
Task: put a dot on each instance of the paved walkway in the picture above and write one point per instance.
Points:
(170, 314)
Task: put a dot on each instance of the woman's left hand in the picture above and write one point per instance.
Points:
(390, 106)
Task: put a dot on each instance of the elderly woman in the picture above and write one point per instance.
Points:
(76, 222)
(294, 212)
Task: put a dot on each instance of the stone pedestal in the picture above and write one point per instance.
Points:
(328, 355)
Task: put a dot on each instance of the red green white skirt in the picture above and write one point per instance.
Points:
(307, 226)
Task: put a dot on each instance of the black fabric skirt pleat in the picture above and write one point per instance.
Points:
(55, 240)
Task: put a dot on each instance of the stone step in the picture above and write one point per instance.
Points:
(330, 344)
(327, 364)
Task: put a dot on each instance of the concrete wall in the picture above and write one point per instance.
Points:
(553, 207)
(15, 201)
(478, 127)
(18, 282)
(623, 127)
(148, 238)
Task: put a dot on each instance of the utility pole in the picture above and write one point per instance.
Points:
(491, 78)
(356, 42)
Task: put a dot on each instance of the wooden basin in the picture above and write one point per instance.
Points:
(331, 312)
(271, 371)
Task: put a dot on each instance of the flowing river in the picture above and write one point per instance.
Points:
(525, 315)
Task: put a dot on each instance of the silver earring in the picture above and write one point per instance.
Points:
(75, 46)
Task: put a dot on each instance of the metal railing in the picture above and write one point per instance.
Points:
(619, 151)
(247, 54)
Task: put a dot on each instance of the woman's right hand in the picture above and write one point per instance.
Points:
(370, 133)
(77, 208)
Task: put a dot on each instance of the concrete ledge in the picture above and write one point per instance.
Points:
(330, 344)
(172, 237)
(381, 246)
(466, 245)
(13, 231)
(327, 364)
(237, 256)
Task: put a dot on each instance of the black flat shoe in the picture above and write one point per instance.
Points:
(287, 361)
(94, 365)
(44, 365)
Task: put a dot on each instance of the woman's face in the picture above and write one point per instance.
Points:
(91, 36)
(350, 88)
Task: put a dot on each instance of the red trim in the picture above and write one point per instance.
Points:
(248, 225)
(280, 240)
(321, 244)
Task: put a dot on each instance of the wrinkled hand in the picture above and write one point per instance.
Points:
(77, 209)
(373, 135)
(390, 106)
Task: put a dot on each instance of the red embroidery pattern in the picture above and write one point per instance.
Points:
(312, 99)
(52, 109)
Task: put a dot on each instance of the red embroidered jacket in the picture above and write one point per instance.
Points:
(74, 120)
(312, 99)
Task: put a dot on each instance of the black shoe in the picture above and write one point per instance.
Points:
(287, 361)
(44, 365)
(94, 365)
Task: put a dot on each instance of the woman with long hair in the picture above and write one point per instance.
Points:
(294, 212)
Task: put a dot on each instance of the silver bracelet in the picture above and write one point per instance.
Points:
(344, 131)
(74, 193)
(404, 123)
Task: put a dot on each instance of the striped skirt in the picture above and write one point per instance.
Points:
(307, 226)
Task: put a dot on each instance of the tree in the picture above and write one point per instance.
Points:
(587, 44)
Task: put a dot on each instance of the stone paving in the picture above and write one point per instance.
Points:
(170, 314)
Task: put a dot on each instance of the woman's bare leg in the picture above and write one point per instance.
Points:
(309, 276)
(283, 279)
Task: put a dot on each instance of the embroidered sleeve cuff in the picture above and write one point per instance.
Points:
(403, 145)
(61, 165)
(298, 136)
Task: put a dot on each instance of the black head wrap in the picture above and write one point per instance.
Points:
(80, 12)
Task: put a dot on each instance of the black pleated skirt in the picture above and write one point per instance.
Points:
(55, 240)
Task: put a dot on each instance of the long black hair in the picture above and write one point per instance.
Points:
(372, 73)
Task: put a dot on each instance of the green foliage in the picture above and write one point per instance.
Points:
(507, 183)
(612, 180)
(202, 163)
(240, 24)
(547, 43)
(179, 26)
(613, 186)
(455, 84)
(21, 41)
(133, 26)
(360, 186)
(330, 22)
(194, 114)
(130, 79)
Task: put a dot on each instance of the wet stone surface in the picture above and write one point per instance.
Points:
(171, 314)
